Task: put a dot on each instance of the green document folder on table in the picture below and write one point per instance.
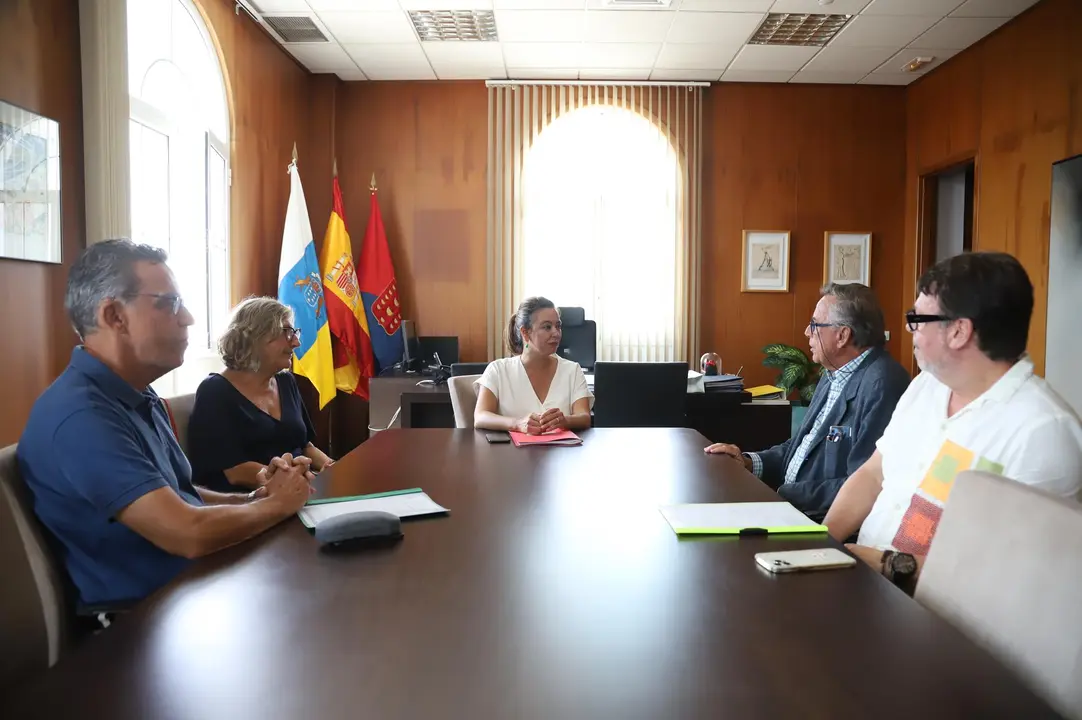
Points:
(742, 518)
(403, 503)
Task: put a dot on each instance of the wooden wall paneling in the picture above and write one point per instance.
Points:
(1023, 86)
(805, 159)
(40, 70)
(427, 143)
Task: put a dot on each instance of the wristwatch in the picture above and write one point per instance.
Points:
(900, 568)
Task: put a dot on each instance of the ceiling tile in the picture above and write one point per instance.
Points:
(614, 55)
(540, 25)
(350, 75)
(763, 76)
(397, 61)
(542, 55)
(760, 6)
(883, 30)
(849, 60)
(885, 79)
(773, 57)
(958, 33)
(539, 4)
(698, 27)
(615, 73)
(542, 74)
(702, 56)
(403, 73)
(321, 57)
(445, 4)
(354, 5)
(911, 7)
(282, 6)
(463, 52)
(628, 26)
(369, 27)
(838, 7)
(827, 78)
(993, 8)
(686, 75)
(894, 64)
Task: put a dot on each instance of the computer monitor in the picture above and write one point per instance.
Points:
(411, 348)
(438, 350)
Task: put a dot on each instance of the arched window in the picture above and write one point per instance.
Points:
(601, 226)
(179, 141)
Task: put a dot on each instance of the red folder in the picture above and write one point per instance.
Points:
(556, 437)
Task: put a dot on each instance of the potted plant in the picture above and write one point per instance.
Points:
(796, 371)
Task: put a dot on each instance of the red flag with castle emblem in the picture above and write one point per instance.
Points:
(379, 293)
(351, 346)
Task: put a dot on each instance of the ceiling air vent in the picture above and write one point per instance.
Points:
(798, 29)
(436, 25)
(295, 28)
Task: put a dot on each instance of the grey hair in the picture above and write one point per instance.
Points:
(254, 320)
(104, 270)
(857, 308)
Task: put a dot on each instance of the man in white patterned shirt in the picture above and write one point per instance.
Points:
(849, 411)
(977, 404)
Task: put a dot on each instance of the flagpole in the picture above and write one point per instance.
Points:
(293, 164)
(372, 187)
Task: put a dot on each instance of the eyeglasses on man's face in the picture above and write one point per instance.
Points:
(291, 333)
(913, 319)
(164, 301)
(813, 325)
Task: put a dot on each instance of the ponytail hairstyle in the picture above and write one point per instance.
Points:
(523, 320)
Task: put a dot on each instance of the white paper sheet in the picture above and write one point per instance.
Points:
(401, 505)
(732, 517)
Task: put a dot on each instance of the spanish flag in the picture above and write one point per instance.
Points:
(351, 342)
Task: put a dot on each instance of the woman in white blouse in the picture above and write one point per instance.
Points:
(535, 390)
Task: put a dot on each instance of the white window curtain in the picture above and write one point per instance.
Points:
(594, 202)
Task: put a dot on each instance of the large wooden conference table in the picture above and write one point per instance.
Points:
(553, 589)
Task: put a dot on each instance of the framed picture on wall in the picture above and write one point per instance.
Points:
(30, 218)
(764, 261)
(847, 257)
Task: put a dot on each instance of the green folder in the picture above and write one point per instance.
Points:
(344, 498)
(749, 518)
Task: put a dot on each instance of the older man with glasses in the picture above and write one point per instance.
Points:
(851, 406)
(977, 404)
(107, 475)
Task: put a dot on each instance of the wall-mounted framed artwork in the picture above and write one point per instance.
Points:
(30, 218)
(764, 261)
(847, 257)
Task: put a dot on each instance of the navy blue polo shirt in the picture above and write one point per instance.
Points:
(92, 446)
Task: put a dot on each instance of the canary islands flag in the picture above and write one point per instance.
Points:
(350, 339)
(301, 288)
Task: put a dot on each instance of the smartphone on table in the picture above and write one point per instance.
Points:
(496, 438)
(800, 560)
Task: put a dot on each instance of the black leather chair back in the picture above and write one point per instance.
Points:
(640, 394)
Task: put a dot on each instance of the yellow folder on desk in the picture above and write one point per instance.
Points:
(747, 518)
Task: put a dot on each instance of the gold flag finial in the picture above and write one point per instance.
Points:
(334, 168)
(372, 187)
(294, 151)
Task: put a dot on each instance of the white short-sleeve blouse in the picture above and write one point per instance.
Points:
(506, 379)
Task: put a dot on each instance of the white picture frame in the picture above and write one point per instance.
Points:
(764, 261)
(30, 215)
(847, 257)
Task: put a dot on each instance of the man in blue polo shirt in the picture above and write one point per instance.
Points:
(98, 453)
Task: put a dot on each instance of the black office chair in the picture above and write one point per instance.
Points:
(579, 342)
(462, 368)
(640, 394)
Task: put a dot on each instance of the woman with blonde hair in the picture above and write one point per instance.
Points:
(252, 411)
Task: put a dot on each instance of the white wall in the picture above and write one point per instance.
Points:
(1063, 362)
(950, 221)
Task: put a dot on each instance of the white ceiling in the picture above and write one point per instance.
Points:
(701, 40)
